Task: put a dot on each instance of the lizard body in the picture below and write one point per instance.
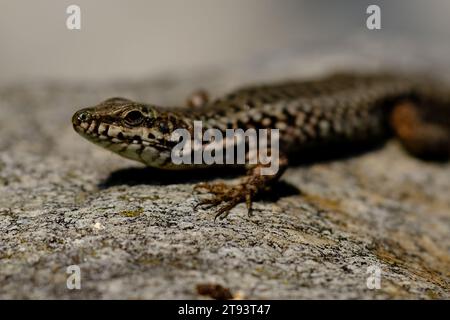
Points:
(338, 110)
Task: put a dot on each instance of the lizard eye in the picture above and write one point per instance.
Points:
(134, 118)
(84, 116)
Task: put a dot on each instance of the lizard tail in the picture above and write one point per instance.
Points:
(422, 124)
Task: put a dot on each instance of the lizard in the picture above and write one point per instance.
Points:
(337, 110)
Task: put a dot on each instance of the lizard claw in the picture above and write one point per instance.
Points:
(230, 196)
(210, 202)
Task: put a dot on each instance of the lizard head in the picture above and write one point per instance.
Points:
(133, 130)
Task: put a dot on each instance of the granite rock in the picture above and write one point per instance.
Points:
(134, 234)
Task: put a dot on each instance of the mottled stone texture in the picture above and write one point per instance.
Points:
(134, 233)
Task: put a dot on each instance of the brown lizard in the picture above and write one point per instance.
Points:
(338, 110)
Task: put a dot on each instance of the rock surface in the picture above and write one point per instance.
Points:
(134, 234)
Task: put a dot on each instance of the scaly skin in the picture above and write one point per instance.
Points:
(338, 110)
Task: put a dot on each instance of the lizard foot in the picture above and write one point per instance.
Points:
(244, 192)
(229, 195)
(198, 98)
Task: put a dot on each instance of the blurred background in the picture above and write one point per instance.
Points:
(140, 38)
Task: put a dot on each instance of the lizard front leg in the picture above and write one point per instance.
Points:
(228, 196)
(198, 98)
